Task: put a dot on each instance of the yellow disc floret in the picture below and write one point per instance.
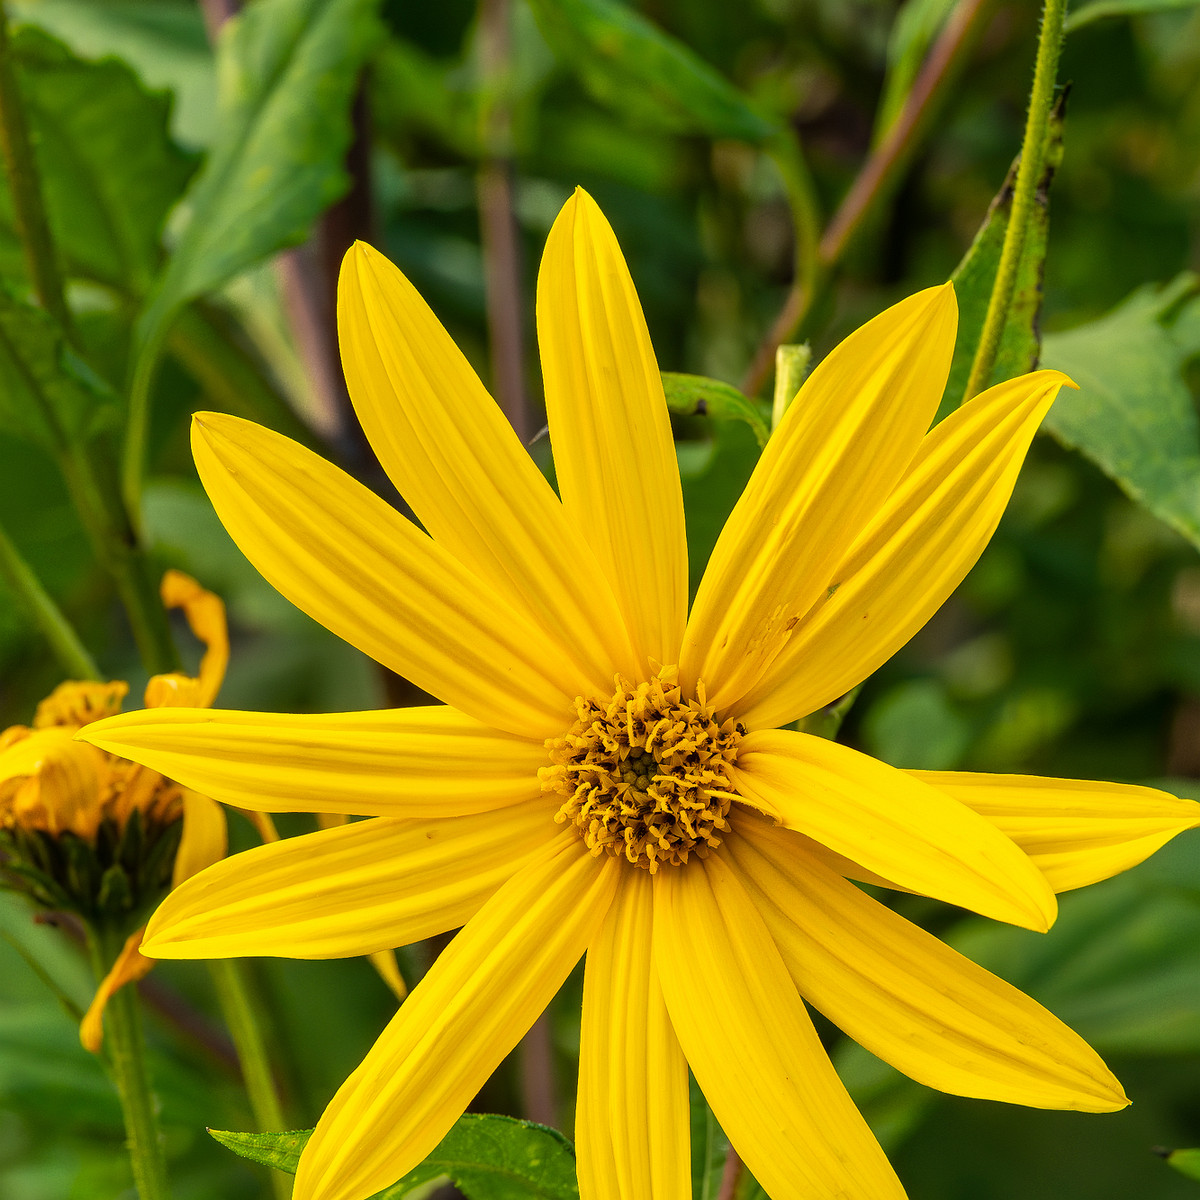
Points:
(645, 774)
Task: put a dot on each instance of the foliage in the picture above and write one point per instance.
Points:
(174, 169)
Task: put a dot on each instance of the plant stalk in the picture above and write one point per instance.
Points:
(243, 1018)
(71, 653)
(1033, 150)
(29, 209)
(125, 1051)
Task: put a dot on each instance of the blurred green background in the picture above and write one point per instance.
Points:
(1072, 649)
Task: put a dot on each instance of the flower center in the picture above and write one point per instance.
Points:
(645, 775)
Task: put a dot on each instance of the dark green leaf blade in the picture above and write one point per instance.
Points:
(288, 69)
(110, 171)
(47, 394)
(697, 395)
(487, 1157)
(1020, 344)
(1133, 415)
(630, 65)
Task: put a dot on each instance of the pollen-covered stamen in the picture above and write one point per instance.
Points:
(645, 775)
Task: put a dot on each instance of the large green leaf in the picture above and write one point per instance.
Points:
(287, 71)
(630, 65)
(47, 394)
(110, 172)
(1133, 414)
(1020, 344)
(164, 41)
(486, 1157)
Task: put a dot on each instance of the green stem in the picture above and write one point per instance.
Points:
(29, 210)
(112, 531)
(791, 366)
(125, 1047)
(118, 550)
(71, 653)
(244, 1020)
(108, 526)
(1033, 149)
(146, 353)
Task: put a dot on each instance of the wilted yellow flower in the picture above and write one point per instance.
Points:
(612, 775)
(93, 833)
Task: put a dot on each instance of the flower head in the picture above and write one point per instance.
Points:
(610, 773)
(87, 831)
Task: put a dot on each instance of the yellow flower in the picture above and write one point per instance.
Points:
(609, 774)
(53, 787)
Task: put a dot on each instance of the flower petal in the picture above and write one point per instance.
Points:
(845, 442)
(1075, 831)
(870, 812)
(456, 460)
(912, 555)
(482, 994)
(905, 996)
(613, 450)
(205, 838)
(372, 577)
(23, 757)
(129, 968)
(401, 762)
(632, 1128)
(337, 893)
(752, 1046)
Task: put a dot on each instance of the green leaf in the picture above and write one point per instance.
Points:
(278, 1150)
(110, 171)
(1133, 414)
(631, 66)
(287, 71)
(166, 44)
(47, 394)
(698, 396)
(1186, 1162)
(486, 1157)
(1020, 344)
(1099, 9)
